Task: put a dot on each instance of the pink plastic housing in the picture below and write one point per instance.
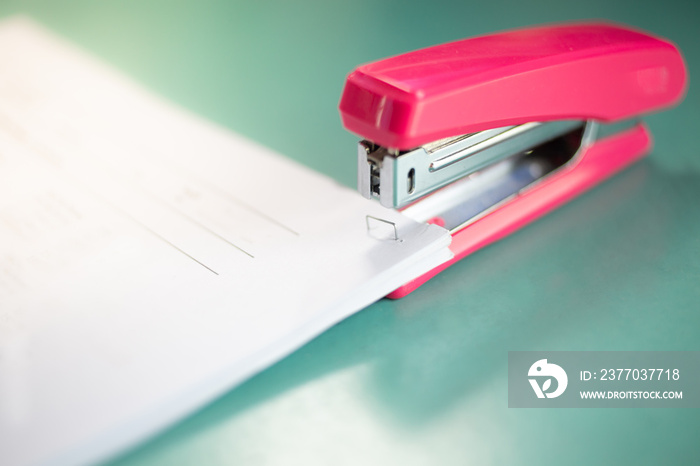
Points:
(598, 71)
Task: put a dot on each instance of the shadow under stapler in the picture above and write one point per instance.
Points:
(547, 287)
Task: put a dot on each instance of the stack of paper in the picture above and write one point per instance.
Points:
(149, 260)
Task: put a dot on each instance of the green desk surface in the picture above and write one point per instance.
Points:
(423, 380)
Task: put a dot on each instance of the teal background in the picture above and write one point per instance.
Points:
(423, 380)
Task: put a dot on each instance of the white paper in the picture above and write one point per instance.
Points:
(149, 260)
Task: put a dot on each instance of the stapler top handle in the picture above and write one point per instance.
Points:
(585, 71)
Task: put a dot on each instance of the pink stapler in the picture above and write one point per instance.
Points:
(484, 135)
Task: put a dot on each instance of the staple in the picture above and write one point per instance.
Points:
(376, 230)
